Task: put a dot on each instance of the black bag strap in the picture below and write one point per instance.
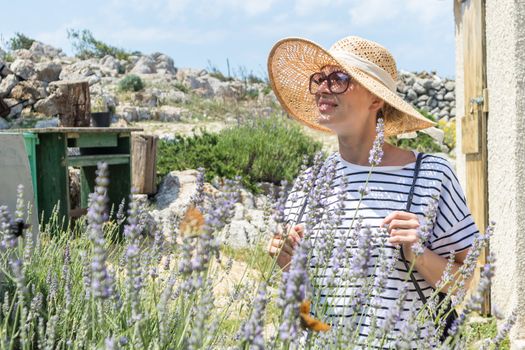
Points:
(409, 204)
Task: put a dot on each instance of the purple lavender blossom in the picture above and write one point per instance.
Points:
(101, 282)
(293, 292)
(252, 330)
(376, 153)
(425, 230)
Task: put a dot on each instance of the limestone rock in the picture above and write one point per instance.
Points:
(48, 123)
(145, 65)
(164, 63)
(48, 71)
(41, 50)
(24, 68)
(7, 84)
(26, 90)
(4, 124)
(15, 106)
(169, 114)
(449, 96)
(47, 106)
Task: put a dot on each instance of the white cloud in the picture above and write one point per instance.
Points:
(177, 35)
(368, 12)
(305, 7)
(374, 12)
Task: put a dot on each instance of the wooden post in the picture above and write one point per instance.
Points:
(144, 161)
(474, 122)
(73, 103)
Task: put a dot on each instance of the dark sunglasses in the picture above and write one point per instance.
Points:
(337, 81)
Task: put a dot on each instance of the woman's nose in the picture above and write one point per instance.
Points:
(323, 88)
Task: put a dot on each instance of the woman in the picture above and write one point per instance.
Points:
(344, 90)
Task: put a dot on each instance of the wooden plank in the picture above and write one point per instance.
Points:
(144, 160)
(475, 122)
(97, 140)
(52, 175)
(76, 130)
(92, 160)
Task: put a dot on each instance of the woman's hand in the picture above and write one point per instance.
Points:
(403, 227)
(283, 246)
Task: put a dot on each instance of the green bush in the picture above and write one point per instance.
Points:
(20, 41)
(264, 150)
(87, 46)
(421, 143)
(131, 82)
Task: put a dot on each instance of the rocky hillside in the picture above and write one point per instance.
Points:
(28, 78)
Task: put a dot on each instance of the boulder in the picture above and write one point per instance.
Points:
(24, 68)
(133, 113)
(25, 90)
(80, 70)
(419, 89)
(172, 96)
(164, 63)
(110, 66)
(48, 123)
(4, 124)
(183, 73)
(48, 71)
(41, 50)
(4, 69)
(174, 196)
(7, 84)
(449, 96)
(450, 85)
(145, 65)
(411, 94)
(15, 106)
(169, 114)
(47, 106)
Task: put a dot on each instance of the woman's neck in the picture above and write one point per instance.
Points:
(355, 149)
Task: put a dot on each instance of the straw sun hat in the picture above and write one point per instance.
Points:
(293, 60)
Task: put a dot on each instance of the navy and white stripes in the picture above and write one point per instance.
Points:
(388, 189)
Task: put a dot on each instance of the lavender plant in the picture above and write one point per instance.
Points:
(74, 288)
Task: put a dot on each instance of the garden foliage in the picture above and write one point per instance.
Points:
(261, 150)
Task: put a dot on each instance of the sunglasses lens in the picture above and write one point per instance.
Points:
(339, 82)
(316, 80)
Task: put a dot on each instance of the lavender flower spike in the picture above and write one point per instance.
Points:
(101, 282)
(376, 153)
(252, 330)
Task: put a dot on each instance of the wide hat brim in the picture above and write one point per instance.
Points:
(293, 60)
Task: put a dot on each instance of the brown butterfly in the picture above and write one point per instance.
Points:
(308, 321)
(192, 222)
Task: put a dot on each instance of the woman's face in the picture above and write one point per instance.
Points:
(346, 113)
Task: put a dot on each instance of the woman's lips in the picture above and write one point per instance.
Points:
(326, 106)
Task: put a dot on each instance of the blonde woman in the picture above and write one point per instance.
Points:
(345, 91)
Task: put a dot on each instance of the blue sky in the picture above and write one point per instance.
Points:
(419, 33)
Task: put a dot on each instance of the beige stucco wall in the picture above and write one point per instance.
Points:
(505, 49)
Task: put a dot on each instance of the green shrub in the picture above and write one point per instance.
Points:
(131, 82)
(20, 41)
(421, 143)
(264, 150)
(86, 46)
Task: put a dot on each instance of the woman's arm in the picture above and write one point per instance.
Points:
(402, 227)
(431, 266)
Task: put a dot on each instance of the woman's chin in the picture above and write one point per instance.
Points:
(325, 119)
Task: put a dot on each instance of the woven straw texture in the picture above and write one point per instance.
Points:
(293, 60)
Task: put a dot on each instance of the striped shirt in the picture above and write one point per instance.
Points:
(335, 295)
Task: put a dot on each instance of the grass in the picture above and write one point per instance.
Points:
(483, 328)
